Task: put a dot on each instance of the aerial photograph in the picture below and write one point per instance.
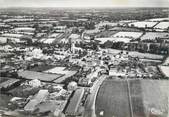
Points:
(84, 58)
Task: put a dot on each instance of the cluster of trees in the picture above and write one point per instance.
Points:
(154, 48)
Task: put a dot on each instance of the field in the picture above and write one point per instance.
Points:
(112, 99)
(39, 75)
(164, 70)
(143, 24)
(166, 62)
(155, 94)
(162, 25)
(148, 97)
(61, 70)
(134, 35)
(154, 35)
(113, 39)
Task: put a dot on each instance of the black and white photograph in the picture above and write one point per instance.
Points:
(84, 58)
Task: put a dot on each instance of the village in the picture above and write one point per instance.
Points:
(58, 65)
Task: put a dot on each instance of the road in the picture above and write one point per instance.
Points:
(129, 98)
(90, 101)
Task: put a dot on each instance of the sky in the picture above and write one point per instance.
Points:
(84, 3)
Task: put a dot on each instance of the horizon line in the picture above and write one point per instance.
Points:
(84, 7)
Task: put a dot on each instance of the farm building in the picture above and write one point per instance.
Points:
(72, 109)
(137, 98)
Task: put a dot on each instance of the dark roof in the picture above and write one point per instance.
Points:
(120, 98)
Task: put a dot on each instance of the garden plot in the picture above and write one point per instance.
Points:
(162, 25)
(143, 24)
(132, 35)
